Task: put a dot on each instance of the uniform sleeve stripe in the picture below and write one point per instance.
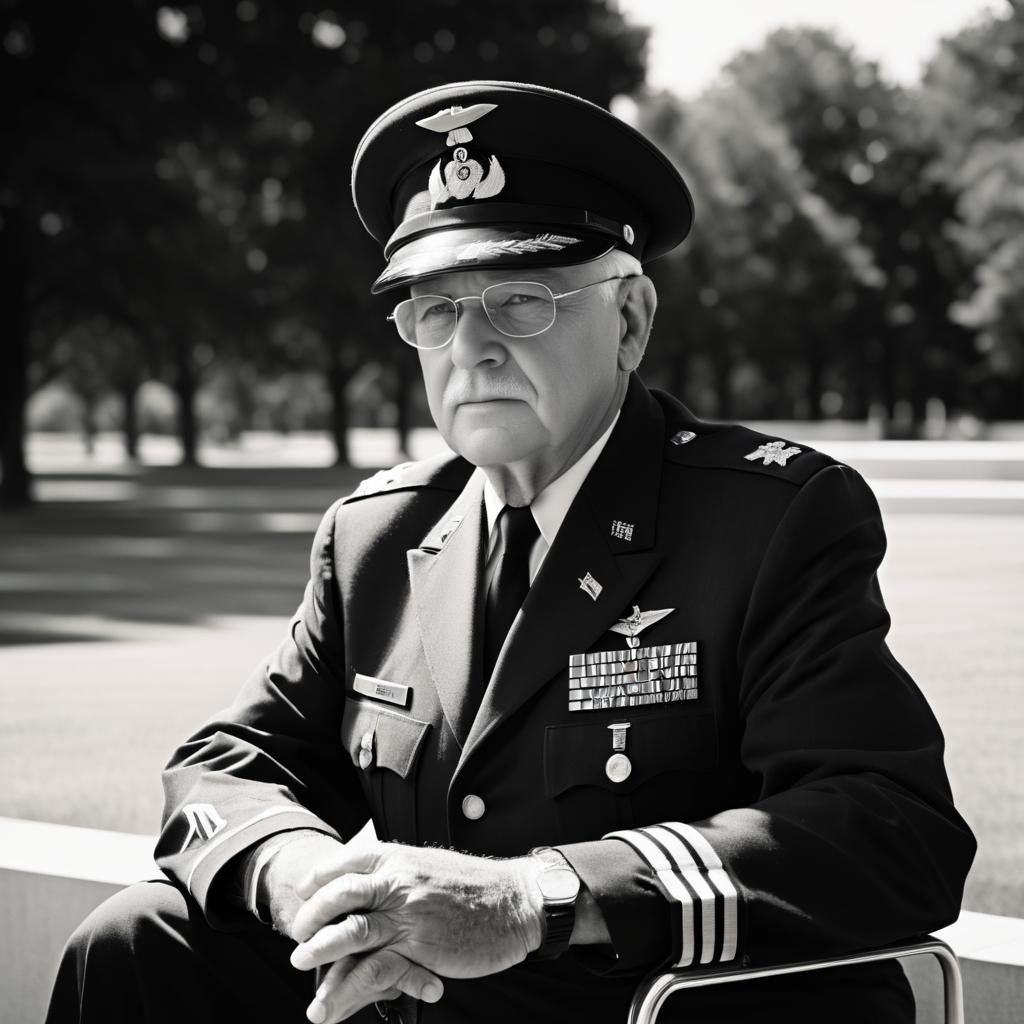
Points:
(704, 853)
(222, 837)
(670, 883)
(692, 874)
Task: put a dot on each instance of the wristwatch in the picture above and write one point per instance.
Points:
(559, 887)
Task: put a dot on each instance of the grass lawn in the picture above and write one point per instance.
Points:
(135, 606)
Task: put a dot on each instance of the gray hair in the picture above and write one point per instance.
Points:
(617, 263)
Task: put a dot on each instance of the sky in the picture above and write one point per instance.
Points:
(691, 40)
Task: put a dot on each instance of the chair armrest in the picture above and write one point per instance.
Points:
(653, 992)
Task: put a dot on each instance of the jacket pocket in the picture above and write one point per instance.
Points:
(385, 747)
(592, 797)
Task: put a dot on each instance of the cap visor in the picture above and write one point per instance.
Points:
(485, 248)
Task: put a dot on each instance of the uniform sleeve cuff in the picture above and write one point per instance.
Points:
(220, 853)
(639, 920)
(694, 882)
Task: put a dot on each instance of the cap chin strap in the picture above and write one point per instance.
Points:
(627, 236)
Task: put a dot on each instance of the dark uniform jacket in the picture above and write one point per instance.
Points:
(785, 798)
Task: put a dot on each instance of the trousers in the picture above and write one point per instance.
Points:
(146, 956)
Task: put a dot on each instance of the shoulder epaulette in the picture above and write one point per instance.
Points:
(729, 446)
(445, 472)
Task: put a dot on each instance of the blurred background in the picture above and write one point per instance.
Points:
(192, 368)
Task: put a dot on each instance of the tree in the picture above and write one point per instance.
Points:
(182, 172)
(770, 270)
(972, 99)
(867, 152)
(95, 222)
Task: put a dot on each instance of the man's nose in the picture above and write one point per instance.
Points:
(476, 342)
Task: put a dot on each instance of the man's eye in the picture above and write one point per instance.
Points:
(519, 299)
(436, 310)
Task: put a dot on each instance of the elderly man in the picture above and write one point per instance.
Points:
(611, 682)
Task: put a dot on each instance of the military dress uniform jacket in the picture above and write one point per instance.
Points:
(785, 795)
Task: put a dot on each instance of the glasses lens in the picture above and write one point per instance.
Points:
(519, 309)
(427, 321)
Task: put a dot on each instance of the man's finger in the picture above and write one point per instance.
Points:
(346, 861)
(377, 976)
(317, 1010)
(341, 895)
(359, 933)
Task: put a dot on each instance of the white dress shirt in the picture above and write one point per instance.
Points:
(549, 508)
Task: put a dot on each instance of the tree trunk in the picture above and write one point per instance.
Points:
(130, 419)
(185, 389)
(15, 482)
(88, 421)
(338, 374)
(887, 384)
(403, 402)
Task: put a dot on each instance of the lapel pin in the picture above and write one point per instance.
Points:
(683, 437)
(621, 530)
(449, 529)
(774, 452)
(618, 767)
(590, 586)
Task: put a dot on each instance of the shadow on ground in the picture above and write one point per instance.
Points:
(160, 545)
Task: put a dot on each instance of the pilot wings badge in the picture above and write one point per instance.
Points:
(462, 177)
(631, 626)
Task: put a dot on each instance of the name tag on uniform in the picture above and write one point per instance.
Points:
(381, 689)
(632, 678)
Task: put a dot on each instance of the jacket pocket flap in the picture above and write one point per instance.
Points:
(393, 740)
(576, 754)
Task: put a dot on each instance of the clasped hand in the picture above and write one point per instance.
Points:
(392, 918)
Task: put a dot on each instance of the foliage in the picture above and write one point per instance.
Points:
(973, 93)
(181, 174)
(175, 206)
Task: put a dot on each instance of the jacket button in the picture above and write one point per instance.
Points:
(473, 807)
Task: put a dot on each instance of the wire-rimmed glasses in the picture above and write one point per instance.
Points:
(517, 309)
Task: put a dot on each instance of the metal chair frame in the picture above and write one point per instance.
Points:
(652, 993)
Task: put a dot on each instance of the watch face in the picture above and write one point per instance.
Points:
(558, 884)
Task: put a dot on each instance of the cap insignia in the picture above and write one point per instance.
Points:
(462, 177)
(455, 121)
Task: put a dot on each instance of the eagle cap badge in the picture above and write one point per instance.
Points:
(462, 177)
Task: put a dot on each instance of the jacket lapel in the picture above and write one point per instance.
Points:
(559, 616)
(445, 574)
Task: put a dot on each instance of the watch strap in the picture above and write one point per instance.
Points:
(559, 918)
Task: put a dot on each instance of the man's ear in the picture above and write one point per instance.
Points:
(638, 301)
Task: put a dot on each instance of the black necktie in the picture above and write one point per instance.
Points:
(518, 531)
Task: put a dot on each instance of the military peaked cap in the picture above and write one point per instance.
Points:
(480, 175)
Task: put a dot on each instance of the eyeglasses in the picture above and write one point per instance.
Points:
(518, 309)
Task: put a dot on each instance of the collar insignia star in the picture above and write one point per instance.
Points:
(774, 452)
(631, 626)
